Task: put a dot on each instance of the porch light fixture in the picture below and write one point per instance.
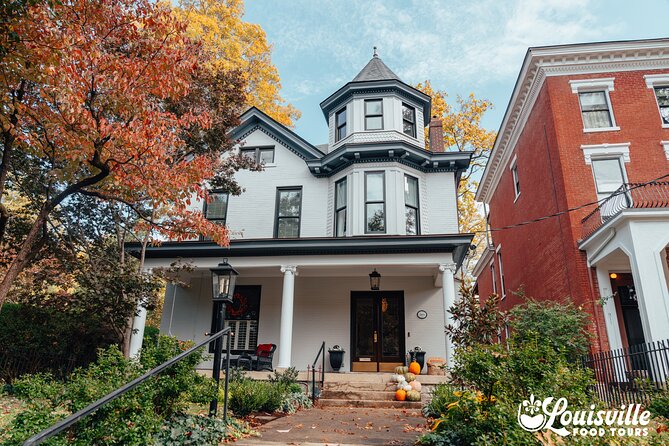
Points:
(375, 280)
(613, 275)
(223, 278)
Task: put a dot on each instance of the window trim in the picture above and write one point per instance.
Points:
(276, 210)
(417, 207)
(337, 127)
(604, 85)
(654, 81)
(385, 216)
(413, 109)
(257, 150)
(493, 275)
(344, 208)
(515, 178)
(373, 116)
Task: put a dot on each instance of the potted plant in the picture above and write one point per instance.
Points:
(418, 355)
(336, 357)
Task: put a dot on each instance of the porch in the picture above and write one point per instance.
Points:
(300, 299)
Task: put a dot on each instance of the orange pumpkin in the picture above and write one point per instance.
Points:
(414, 368)
(401, 395)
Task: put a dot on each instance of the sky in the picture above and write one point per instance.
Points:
(460, 46)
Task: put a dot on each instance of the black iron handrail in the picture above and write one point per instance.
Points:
(69, 421)
(320, 354)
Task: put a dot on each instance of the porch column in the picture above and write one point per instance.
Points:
(286, 330)
(137, 336)
(610, 314)
(448, 289)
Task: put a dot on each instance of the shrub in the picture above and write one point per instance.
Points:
(293, 401)
(132, 419)
(659, 404)
(563, 326)
(198, 430)
(248, 396)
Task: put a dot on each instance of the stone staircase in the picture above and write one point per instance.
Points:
(372, 390)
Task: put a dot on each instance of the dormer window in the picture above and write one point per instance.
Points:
(374, 114)
(340, 123)
(261, 155)
(409, 120)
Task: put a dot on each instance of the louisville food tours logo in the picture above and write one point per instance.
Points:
(550, 414)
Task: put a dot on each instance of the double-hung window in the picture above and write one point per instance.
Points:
(662, 96)
(409, 120)
(288, 212)
(411, 205)
(595, 110)
(375, 203)
(609, 177)
(374, 114)
(340, 208)
(516, 180)
(216, 207)
(502, 283)
(340, 124)
(260, 155)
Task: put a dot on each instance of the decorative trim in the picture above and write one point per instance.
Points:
(602, 150)
(591, 84)
(512, 164)
(656, 80)
(289, 269)
(665, 144)
(562, 60)
(443, 267)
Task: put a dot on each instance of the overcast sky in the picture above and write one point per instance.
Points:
(460, 46)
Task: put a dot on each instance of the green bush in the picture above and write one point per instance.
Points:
(198, 430)
(563, 326)
(248, 396)
(659, 404)
(132, 419)
(293, 401)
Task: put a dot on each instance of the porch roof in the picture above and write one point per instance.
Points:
(457, 244)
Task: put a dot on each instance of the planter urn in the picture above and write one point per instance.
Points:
(336, 358)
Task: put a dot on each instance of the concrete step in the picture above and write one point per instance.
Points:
(362, 386)
(373, 404)
(370, 395)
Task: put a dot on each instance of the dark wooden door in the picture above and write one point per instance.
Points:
(377, 330)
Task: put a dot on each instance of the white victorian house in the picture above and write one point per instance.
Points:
(312, 226)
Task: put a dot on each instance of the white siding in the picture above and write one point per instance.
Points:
(440, 207)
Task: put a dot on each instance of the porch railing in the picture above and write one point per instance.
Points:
(317, 385)
(72, 419)
(631, 374)
(654, 194)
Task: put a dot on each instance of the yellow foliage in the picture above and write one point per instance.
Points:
(238, 45)
(462, 131)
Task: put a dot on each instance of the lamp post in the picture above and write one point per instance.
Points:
(375, 280)
(223, 279)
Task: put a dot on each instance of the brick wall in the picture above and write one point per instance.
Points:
(543, 258)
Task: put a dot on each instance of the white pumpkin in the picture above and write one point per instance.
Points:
(400, 386)
(397, 378)
(407, 387)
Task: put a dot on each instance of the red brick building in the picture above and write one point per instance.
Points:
(585, 122)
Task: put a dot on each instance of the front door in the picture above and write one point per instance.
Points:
(377, 330)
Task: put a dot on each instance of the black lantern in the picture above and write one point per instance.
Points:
(223, 278)
(375, 280)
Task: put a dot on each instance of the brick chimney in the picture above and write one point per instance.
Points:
(436, 135)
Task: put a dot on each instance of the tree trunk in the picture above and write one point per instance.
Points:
(24, 255)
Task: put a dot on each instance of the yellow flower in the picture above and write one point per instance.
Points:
(452, 405)
(457, 393)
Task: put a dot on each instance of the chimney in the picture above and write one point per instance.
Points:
(436, 135)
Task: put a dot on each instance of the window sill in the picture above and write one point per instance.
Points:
(665, 126)
(265, 166)
(602, 129)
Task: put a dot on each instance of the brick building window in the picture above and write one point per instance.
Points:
(516, 181)
(502, 283)
(596, 110)
(662, 95)
(493, 278)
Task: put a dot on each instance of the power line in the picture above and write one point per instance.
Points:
(566, 211)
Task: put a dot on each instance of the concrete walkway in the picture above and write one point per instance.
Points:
(342, 426)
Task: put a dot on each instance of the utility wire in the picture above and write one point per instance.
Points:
(566, 211)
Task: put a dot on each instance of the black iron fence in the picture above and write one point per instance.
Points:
(631, 374)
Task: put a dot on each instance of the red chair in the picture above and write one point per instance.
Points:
(262, 359)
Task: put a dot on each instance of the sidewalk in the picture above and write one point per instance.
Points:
(342, 426)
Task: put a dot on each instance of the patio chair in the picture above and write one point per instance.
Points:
(262, 359)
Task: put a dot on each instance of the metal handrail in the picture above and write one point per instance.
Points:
(69, 421)
(320, 354)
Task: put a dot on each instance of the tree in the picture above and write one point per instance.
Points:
(462, 131)
(236, 44)
(110, 99)
(475, 323)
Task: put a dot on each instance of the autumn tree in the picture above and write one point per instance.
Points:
(236, 44)
(110, 99)
(462, 131)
